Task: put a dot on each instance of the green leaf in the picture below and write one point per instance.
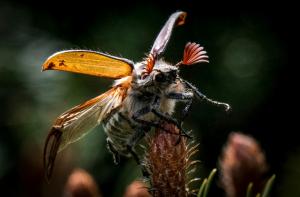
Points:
(202, 188)
(268, 186)
(209, 180)
(249, 190)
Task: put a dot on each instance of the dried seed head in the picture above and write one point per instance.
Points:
(80, 183)
(168, 162)
(242, 162)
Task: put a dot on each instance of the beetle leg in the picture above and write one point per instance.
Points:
(205, 98)
(136, 117)
(188, 97)
(145, 172)
(154, 109)
(114, 152)
(137, 136)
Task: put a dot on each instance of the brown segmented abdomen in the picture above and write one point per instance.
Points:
(118, 129)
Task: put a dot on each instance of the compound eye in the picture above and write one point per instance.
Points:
(160, 77)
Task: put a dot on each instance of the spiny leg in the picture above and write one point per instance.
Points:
(154, 109)
(186, 110)
(184, 114)
(145, 110)
(172, 120)
(134, 139)
(114, 152)
(205, 98)
(166, 117)
(138, 134)
(185, 96)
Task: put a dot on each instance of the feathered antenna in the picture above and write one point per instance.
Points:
(193, 53)
(150, 61)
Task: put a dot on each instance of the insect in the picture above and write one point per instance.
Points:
(143, 94)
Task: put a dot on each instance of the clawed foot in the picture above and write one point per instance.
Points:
(116, 158)
(182, 132)
(114, 152)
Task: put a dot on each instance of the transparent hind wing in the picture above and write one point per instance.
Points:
(78, 121)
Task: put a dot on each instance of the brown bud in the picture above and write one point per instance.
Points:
(242, 162)
(81, 184)
(137, 189)
(168, 161)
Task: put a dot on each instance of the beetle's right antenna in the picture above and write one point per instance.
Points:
(193, 54)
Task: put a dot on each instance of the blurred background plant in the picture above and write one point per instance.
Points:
(249, 45)
(243, 166)
(81, 184)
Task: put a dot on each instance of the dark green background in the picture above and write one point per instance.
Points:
(249, 44)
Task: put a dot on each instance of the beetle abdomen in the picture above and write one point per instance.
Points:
(118, 129)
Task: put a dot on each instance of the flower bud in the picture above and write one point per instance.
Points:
(81, 184)
(137, 189)
(242, 162)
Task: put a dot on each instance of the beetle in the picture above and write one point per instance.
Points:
(143, 94)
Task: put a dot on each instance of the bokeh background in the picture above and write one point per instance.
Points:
(250, 47)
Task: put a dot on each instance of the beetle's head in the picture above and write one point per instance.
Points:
(155, 73)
